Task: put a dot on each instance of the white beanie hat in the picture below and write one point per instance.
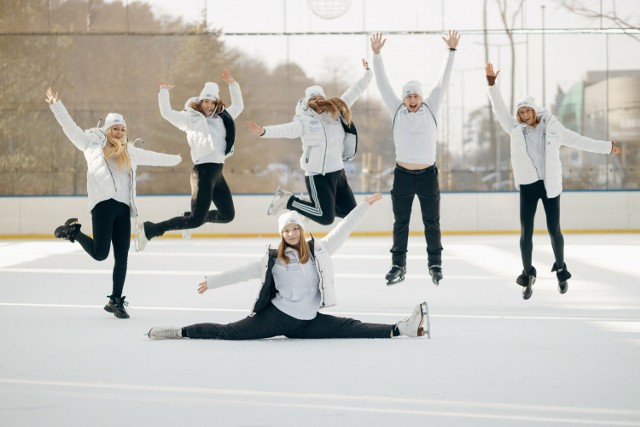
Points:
(209, 91)
(411, 87)
(113, 119)
(527, 102)
(291, 217)
(312, 91)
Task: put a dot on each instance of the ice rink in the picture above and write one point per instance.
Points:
(493, 360)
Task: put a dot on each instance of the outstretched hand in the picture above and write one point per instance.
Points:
(371, 199)
(615, 150)
(226, 76)
(52, 97)
(488, 70)
(365, 64)
(377, 42)
(166, 86)
(202, 287)
(255, 128)
(452, 40)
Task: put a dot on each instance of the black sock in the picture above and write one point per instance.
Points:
(395, 332)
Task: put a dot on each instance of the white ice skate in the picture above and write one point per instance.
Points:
(140, 238)
(165, 333)
(279, 203)
(417, 324)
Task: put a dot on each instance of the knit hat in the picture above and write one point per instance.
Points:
(113, 119)
(527, 102)
(210, 91)
(411, 87)
(291, 217)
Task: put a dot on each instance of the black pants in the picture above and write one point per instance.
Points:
(111, 224)
(406, 185)
(207, 185)
(330, 196)
(271, 322)
(529, 196)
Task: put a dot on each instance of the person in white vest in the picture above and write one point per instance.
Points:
(211, 133)
(112, 161)
(297, 281)
(329, 138)
(414, 126)
(536, 137)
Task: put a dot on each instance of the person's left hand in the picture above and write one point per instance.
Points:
(202, 287)
(365, 64)
(226, 76)
(453, 39)
(615, 150)
(52, 97)
(371, 199)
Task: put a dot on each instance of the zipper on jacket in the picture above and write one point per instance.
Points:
(326, 142)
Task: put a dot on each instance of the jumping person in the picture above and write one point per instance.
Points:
(111, 187)
(210, 130)
(414, 126)
(536, 137)
(328, 139)
(297, 281)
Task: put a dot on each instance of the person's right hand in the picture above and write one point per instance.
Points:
(51, 96)
(202, 287)
(491, 75)
(255, 128)
(377, 42)
(371, 199)
(166, 86)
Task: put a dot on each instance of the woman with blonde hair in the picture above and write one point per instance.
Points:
(329, 138)
(297, 281)
(111, 187)
(210, 130)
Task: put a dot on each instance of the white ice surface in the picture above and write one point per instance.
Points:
(493, 360)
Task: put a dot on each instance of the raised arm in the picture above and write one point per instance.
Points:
(76, 135)
(237, 104)
(442, 82)
(506, 120)
(177, 118)
(390, 99)
(353, 93)
(341, 232)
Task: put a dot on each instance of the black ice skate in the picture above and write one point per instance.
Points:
(68, 231)
(116, 306)
(436, 274)
(396, 274)
(563, 276)
(526, 280)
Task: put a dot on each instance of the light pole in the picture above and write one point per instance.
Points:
(544, 70)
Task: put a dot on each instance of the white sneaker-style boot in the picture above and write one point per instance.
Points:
(417, 324)
(279, 203)
(164, 333)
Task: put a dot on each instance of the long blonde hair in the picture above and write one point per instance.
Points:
(335, 106)
(117, 148)
(304, 252)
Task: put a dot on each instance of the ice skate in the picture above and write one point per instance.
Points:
(526, 280)
(68, 231)
(395, 274)
(116, 306)
(436, 274)
(563, 276)
(165, 333)
(141, 239)
(417, 324)
(279, 203)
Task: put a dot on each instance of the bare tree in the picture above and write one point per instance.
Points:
(578, 7)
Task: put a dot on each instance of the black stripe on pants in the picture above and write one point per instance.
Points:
(529, 196)
(111, 221)
(207, 185)
(406, 185)
(330, 196)
(271, 322)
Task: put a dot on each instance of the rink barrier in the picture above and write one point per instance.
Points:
(35, 217)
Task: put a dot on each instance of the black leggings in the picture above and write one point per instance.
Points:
(111, 224)
(330, 196)
(271, 322)
(406, 185)
(207, 185)
(529, 196)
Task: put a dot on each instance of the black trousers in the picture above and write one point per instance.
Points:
(111, 223)
(406, 185)
(271, 322)
(207, 185)
(529, 196)
(330, 196)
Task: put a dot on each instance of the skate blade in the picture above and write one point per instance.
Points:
(424, 308)
(395, 281)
